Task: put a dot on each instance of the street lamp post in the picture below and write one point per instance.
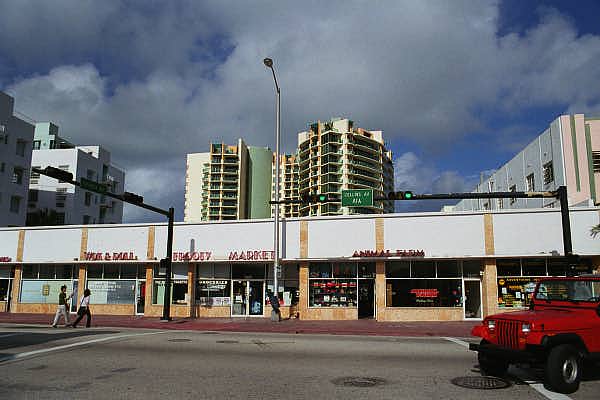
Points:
(269, 64)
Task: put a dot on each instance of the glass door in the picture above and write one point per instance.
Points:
(140, 297)
(239, 305)
(256, 297)
(472, 299)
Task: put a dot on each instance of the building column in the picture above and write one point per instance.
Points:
(82, 267)
(489, 284)
(303, 272)
(149, 272)
(380, 291)
(191, 275)
(16, 282)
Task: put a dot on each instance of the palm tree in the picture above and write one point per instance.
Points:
(595, 230)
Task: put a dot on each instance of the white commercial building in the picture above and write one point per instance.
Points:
(567, 154)
(52, 202)
(16, 136)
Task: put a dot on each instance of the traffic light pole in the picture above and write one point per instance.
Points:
(138, 201)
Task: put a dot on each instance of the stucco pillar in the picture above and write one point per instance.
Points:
(379, 271)
(489, 284)
(149, 272)
(16, 282)
(303, 272)
(82, 267)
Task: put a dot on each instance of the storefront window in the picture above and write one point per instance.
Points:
(41, 283)
(534, 267)
(423, 269)
(424, 292)
(248, 271)
(113, 283)
(288, 285)
(448, 269)
(397, 269)
(508, 267)
(334, 291)
(471, 268)
(213, 293)
(179, 286)
(517, 279)
(366, 270)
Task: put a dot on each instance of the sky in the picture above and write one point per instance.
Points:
(457, 87)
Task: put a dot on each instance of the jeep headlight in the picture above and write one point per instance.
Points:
(491, 324)
(525, 328)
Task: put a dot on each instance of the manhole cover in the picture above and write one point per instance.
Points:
(180, 340)
(358, 381)
(227, 341)
(480, 382)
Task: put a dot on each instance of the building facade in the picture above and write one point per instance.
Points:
(228, 183)
(567, 154)
(288, 185)
(335, 156)
(391, 267)
(16, 138)
(52, 202)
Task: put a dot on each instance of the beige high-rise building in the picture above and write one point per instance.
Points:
(335, 156)
(230, 182)
(288, 185)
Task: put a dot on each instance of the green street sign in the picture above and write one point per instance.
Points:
(93, 186)
(357, 198)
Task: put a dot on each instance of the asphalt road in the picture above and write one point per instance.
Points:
(45, 363)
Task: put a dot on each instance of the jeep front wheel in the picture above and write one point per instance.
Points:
(563, 369)
(492, 366)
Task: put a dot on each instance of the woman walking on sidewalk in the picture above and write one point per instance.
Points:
(84, 309)
(63, 306)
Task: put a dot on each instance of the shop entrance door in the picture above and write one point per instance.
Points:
(140, 297)
(248, 298)
(472, 299)
(366, 298)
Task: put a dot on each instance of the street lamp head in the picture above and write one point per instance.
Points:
(268, 62)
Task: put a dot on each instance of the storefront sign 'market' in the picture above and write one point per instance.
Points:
(115, 256)
(389, 253)
(250, 255)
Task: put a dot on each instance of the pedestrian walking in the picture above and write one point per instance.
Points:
(84, 309)
(63, 306)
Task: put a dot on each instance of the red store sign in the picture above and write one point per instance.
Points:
(252, 255)
(5, 259)
(389, 253)
(425, 293)
(192, 256)
(115, 256)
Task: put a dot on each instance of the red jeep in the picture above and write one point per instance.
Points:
(559, 332)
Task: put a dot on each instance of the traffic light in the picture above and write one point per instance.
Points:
(314, 198)
(58, 173)
(133, 198)
(408, 195)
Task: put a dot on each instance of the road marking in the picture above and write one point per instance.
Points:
(9, 334)
(521, 375)
(536, 385)
(68, 346)
(457, 341)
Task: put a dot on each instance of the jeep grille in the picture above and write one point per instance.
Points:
(508, 333)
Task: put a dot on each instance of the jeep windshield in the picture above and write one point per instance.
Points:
(569, 290)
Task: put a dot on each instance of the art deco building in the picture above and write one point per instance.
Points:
(335, 156)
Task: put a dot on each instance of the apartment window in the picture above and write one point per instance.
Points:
(548, 173)
(86, 219)
(90, 174)
(21, 145)
(88, 198)
(37, 144)
(596, 160)
(2, 166)
(513, 188)
(530, 183)
(33, 195)
(61, 197)
(17, 176)
(60, 218)
(500, 204)
(15, 203)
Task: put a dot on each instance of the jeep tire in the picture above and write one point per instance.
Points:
(563, 369)
(491, 366)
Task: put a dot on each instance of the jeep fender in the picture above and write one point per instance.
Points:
(549, 342)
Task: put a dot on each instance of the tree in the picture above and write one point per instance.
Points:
(595, 230)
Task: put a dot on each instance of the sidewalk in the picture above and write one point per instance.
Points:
(355, 327)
